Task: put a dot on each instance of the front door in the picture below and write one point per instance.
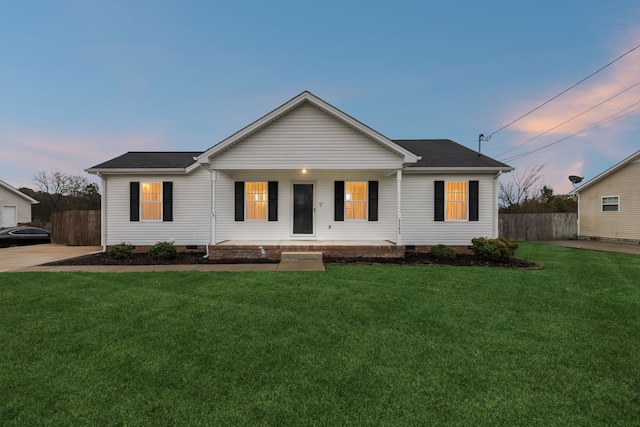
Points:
(302, 208)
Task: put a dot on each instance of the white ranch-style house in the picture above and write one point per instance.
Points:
(306, 176)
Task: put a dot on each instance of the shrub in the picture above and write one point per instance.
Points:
(163, 250)
(121, 251)
(493, 250)
(443, 253)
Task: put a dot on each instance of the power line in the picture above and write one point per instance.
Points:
(587, 129)
(564, 91)
(567, 121)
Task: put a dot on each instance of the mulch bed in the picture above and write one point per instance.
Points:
(411, 258)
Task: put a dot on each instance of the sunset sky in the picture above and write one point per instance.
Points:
(84, 81)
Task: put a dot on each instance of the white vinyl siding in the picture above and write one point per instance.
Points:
(325, 226)
(418, 225)
(623, 224)
(22, 206)
(307, 137)
(191, 207)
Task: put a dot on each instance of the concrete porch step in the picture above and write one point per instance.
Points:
(301, 261)
(301, 256)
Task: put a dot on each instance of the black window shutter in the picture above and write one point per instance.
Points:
(373, 200)
(134, 201)
(338, 214)
(438, 201)
(273, 200)
(473, 201)
(167, 201)
(239, 201)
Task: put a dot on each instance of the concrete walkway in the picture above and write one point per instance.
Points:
(596, 245)
(283, 266)
(13, 259)
(31, 258)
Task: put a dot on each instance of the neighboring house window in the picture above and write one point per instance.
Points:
(456, 197)
(355, 200)
(150, 201)
(456, 201)
(256, 200)
(610, 204)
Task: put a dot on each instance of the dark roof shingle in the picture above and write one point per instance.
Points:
(150, 160)
(444, 153)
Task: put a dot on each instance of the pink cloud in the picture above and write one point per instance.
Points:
(25, 152)
(604, 94)
(590, 152)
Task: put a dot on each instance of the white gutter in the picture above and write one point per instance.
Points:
(129, 171)
(455, 169)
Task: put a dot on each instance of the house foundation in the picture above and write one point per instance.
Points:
(272, 250)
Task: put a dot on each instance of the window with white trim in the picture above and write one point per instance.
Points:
(355, 200)
(610, 203)
(456, 200)
(256, 200)
(151, 201)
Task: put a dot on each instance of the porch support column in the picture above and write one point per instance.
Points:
(399, 201)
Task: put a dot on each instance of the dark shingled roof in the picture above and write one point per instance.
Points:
(435, 153)
(150, 160)
(444, 153)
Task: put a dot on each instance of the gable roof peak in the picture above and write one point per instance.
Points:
(606, 173)
(306, 96)
(17, 192)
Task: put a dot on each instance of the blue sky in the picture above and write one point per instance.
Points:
(84, 81)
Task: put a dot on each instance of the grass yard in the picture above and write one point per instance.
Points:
(355, 345)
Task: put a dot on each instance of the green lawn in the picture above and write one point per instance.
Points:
(355, 345)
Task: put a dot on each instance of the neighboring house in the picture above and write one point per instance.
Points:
(308, 175)
(609, 204)
(15, 206)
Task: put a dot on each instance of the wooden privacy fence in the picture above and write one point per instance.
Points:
(543, 226)
(76, 228)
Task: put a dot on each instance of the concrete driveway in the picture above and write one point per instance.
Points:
(597, 245)
(12, 259)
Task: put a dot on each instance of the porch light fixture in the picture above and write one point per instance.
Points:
(304, 171)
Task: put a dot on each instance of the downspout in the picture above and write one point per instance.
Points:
(212, 208)
(496, 227)
(399, 229)
(578, 221)
(103, 213)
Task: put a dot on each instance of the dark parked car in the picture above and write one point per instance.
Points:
(18, 236)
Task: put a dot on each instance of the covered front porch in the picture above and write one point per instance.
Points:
(272, 249)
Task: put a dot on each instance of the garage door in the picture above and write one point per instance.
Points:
(9, 217)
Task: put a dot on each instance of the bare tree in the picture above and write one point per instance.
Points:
(56, 186)
(520, 188)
